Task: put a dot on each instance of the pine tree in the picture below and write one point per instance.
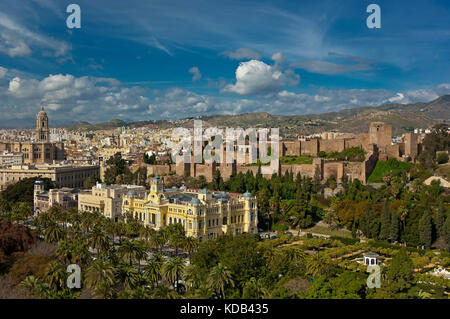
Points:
(440, 219)
(425, 230)
(400, 273)
(385, 222)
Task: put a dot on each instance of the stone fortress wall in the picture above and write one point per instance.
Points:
(377, 143)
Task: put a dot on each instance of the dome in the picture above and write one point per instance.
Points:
(131, 193)
(195, 201)
(42, 113)
(247, 195)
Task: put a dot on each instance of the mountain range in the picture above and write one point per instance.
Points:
(402, 117)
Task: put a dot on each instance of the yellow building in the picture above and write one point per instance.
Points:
(203, 214)
(107, 199)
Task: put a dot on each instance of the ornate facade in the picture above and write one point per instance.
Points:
(203, 214)
(42, 150)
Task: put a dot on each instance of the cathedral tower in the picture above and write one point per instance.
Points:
(42, 132)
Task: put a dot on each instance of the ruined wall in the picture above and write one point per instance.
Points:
(335, 169)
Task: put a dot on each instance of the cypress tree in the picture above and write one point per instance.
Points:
(425, 230)
(385, 222)
(394, 227)
(440, 219)
(354, 230)
(446, 231)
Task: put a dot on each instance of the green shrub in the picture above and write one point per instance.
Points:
(442, 158)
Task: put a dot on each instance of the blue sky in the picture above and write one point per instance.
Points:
(172, 59)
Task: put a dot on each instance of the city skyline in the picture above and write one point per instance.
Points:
(144, 61)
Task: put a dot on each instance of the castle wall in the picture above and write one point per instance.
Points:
(309, 147)
(290, 148)
(411, 145)
(335, 169)
(331, 146)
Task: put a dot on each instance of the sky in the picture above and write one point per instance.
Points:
(150, 60)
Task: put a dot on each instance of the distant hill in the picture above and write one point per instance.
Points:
(402, 117)
(111, 124)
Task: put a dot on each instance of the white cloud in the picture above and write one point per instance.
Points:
(398, 97)
(278, 58)
(196, 74)
(242, 54)
(17, 40)
(324, 67)
(3, 71)
(70, 98)
(257, 77)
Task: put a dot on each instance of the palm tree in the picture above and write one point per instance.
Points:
(56, 275)
(100, 277)
(177, 241)
(317, 265)
(87, 222)
(219, 278)
(192, 276)
(140, 251)
(120, 229)
(147, 233)
(172, 270)
(153, 271)
(164, 292)
(110, 228)
(159, 240)
(127, 250)
(53, 233)
(36, 286)
(44, 219)
(80, 251)
(98, 240)
(127, 275)
(64, 251)
(190, 245)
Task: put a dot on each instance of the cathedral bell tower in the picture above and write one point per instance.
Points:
(42, 132)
